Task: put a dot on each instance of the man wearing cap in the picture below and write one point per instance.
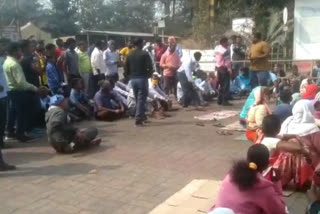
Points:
(62, 136)
(170, 63)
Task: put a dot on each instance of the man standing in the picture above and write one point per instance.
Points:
(60, 48)
(189, 65)
(98, 68)
(259, 55)
(159, 50)
(223, 67)
(170, 63)
(84, 63)
(18, 86)
(32, 72)
(139, 69)
(111, 58)
(71, 60)
(238, 53)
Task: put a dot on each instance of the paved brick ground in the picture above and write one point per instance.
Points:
(133, 171)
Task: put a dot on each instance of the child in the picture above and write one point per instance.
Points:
(284, 110)
(241, 85)
(245, 190)
(62, 136)
(54, 75)
(79, 102)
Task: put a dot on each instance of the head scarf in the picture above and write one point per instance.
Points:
(56, 100)
(311, 91)
(222, 211)
(302, 121)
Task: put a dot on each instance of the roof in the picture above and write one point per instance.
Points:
(118, 33)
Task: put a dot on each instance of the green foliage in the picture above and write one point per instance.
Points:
(24, 10)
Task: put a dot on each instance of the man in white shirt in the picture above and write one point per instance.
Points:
(98, 68)
(111, 59)
(189, 64)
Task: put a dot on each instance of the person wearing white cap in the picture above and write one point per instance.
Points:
(222, 211)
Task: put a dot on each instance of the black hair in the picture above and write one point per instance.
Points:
(158, 40)
(244, 176)
(286, 96)
(245, 71)
(75, 82)
(138, 42)
(271, 125)
(24, 44)
(58, 41)
(197, 54)
(50, 46)
(223, 40)
(257, 35)
(71, 41)
(13, 48)
(98, 43)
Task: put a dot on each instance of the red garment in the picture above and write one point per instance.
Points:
(58, 52)
(255, 136)
(311, 91)
(159, 50)
(295, 167)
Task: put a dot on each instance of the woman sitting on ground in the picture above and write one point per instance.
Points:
(255, 118)
(259, 95)
(107, 105)
(62, 136)
(245, 190)
(302, 124)
(287, 154)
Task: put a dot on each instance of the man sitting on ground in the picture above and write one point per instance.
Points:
(80, 105)
(107, 106)
(62, 136)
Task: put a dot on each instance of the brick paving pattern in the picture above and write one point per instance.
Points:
(133, 171)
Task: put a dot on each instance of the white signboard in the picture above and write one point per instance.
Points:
(207, 62)
(10, 33)
(306, 30)
(243, 26)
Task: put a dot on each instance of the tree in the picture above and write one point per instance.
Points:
(62, 17)
(11, 11)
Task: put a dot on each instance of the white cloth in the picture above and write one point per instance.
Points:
(111, 59)
(97, 62)
(222, 211)
(304, 84)
(302, 121)
(270, 143)
(189, 64)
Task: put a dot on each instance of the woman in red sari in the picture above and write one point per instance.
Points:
(297, 152)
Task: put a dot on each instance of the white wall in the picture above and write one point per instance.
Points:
(307, 30)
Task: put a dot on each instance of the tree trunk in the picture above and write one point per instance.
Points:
(173, 9)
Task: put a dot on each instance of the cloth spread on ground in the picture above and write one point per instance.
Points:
(217, 115)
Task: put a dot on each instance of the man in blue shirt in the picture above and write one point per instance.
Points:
(107, 106)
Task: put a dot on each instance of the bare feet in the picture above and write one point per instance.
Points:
(96, 142)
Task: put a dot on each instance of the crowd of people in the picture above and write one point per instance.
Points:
(54, 85)
(286, 150)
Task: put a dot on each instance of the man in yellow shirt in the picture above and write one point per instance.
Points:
(124, 52)
(259, 55)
